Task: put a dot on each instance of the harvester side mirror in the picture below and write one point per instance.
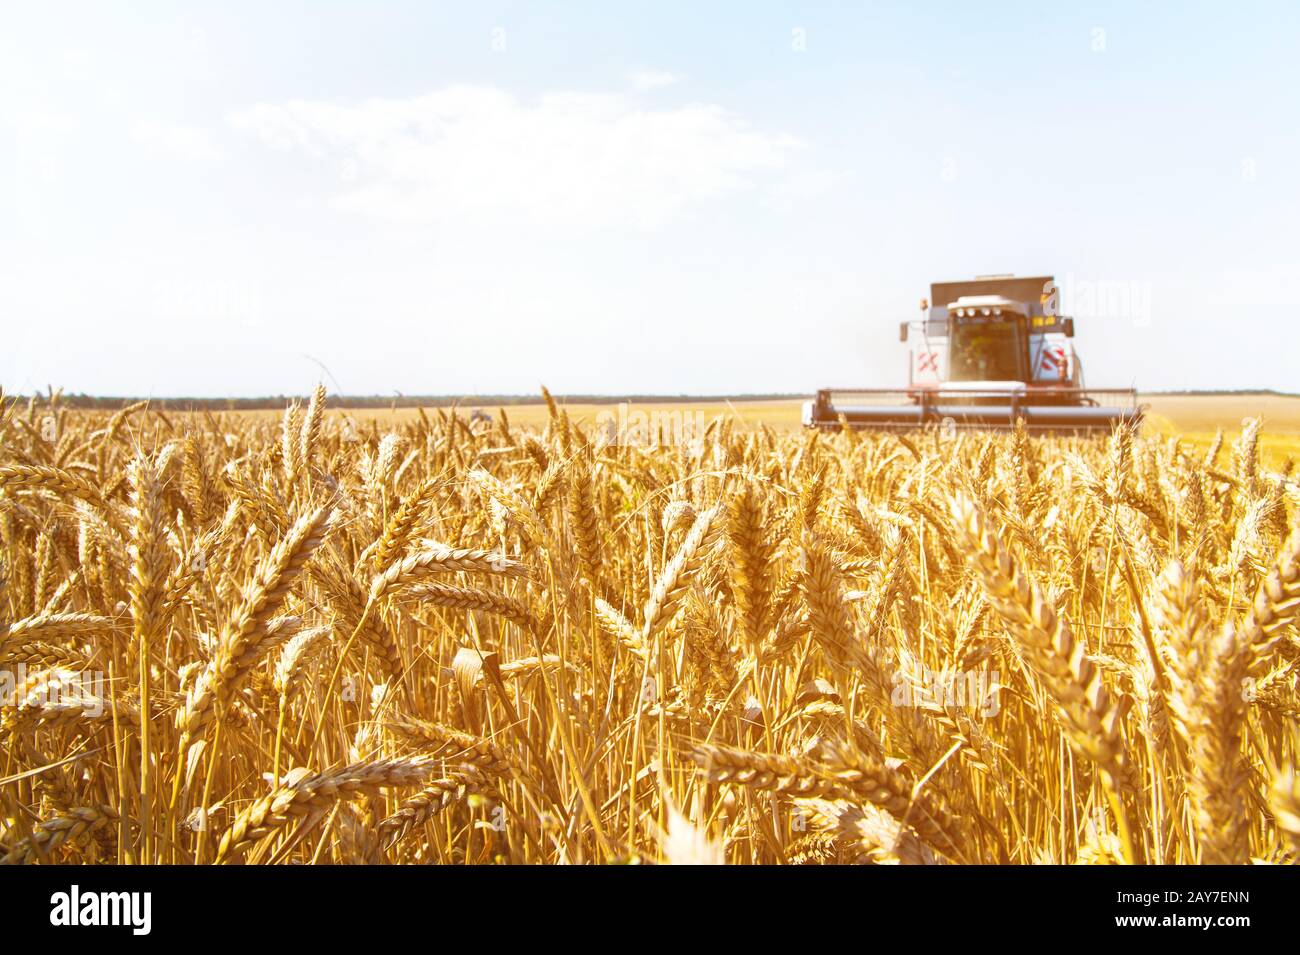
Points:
(902, 331)
(1067, 325)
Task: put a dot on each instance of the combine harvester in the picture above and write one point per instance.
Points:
(986, 353)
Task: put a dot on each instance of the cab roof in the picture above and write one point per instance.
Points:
(986, 304)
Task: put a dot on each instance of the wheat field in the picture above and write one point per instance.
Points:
(237, 639)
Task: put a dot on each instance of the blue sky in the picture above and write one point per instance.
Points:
(208, 199)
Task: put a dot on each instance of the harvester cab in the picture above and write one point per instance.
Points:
(984, 354)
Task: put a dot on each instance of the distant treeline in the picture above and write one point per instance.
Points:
(1195, 393)
(277, 402)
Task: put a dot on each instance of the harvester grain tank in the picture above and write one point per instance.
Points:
(985, 353)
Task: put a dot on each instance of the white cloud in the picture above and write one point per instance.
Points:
(186, 142)
(40, 120)
(566, 159)
(653, 79)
